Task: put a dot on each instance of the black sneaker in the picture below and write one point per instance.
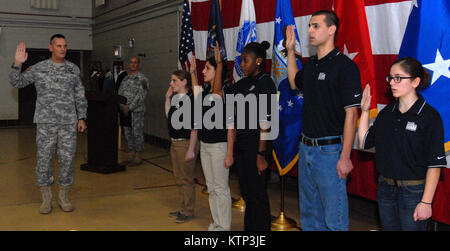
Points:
(182, 218)
(175, 214)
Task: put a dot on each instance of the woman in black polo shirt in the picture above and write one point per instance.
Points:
(251, 148)
(216, 142)
(408, 136)
(183, 148)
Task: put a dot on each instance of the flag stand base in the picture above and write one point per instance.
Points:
(205, 190)
(283, 223)
(239, 204)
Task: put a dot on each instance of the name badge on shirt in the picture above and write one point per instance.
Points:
(411, 126)
(321, 76)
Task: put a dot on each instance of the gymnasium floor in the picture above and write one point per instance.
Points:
(137, 199)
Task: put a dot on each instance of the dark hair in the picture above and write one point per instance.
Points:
(330, 19)
(212, 61)
(259, 49)
(56, 36)
(415, 69)
(182, 75)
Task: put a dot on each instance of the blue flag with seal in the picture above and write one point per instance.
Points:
(290, 102)
(427, 39)
(247, 34)
(215, 32)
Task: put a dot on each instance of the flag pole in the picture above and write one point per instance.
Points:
(282, 222)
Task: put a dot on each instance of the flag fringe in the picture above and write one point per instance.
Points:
(284, 171)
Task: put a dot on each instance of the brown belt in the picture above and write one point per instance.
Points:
(402, 183)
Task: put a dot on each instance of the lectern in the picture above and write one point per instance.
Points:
(103, 131)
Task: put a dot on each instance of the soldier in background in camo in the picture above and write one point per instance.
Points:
(61, 109)
(134, 87)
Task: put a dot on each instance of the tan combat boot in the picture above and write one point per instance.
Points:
(63, 199)
(137, 160)
(46, 206)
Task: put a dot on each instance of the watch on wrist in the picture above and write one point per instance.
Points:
(13, 66)
(262, 153)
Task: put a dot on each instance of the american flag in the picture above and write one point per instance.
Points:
(186, 47)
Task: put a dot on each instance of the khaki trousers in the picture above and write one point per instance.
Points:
(184, 172)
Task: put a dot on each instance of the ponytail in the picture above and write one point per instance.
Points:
(259, 49)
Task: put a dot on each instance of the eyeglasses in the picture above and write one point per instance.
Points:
(397, 79)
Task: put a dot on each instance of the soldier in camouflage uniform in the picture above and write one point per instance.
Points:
(134, 87)
(60, 111)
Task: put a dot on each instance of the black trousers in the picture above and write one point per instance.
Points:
(253, 185)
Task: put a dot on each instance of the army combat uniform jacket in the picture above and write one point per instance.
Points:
(60, 93)
(134, 88)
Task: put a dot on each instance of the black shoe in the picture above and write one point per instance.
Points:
(183, 218)
(175, 214)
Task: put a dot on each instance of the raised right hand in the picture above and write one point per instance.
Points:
(193, 67)
(21, 55)
(217, 53)
(290, 38)
(365, 100)
(169, 93)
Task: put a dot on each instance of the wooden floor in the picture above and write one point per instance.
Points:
(137, 199)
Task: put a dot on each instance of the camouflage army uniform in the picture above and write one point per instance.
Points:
(134, 88)
(60, 104)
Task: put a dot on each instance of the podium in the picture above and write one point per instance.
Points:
(103, 131)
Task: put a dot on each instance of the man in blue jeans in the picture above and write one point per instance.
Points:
(331, 87)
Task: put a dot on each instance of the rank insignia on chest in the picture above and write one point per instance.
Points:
(322, 76)
(411, 126)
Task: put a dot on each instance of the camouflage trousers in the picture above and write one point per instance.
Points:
(48, 138)
(135, 133)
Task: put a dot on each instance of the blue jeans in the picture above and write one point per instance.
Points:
(396, 206)
(323, 195)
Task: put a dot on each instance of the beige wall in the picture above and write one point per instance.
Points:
(154, 26)
(19, 22)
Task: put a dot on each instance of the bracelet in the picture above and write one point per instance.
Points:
(425, 203)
